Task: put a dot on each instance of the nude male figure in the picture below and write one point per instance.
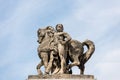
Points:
(63, 38)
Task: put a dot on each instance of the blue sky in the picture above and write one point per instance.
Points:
(97, 20)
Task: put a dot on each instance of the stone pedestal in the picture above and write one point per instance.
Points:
(61, 77)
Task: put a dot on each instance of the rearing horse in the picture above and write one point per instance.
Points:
(43, 50)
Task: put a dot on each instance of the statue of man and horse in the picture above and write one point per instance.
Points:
(59, 52)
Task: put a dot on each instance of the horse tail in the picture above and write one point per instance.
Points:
(91, 48)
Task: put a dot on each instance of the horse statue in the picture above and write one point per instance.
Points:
(43, 50)
(75, 52)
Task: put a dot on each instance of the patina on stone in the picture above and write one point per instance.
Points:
(59, 53)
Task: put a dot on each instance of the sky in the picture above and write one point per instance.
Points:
(96, 20)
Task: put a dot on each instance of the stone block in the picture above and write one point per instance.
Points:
(61, 77)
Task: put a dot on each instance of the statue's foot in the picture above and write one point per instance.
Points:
(39, 72)
(46, 73)
(61, 72)
(56, 71)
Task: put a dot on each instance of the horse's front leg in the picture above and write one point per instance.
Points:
(50, 63)
(44, 56)
(38, 68)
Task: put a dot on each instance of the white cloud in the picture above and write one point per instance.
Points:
(107, 65)
(108, 71)
(112, 55)
(93, 19)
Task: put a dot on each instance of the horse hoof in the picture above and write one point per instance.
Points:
(39, 72)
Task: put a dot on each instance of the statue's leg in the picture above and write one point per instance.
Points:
(50, 63)
(62, 56)
(82, 68)
(57, 68)
(53, 69)
(75, 63)
(44, 56)
(38, 68)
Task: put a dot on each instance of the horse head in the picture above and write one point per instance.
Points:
(43, 33)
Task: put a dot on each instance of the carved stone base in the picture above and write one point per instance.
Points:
(61, 77)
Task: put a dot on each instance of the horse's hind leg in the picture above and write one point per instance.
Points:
(38, 68)
(75, 63)
(82, 68)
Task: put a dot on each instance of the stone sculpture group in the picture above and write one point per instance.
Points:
(59, 52)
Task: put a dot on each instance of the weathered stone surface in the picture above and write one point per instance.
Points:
(59, 52)
(61, 77)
